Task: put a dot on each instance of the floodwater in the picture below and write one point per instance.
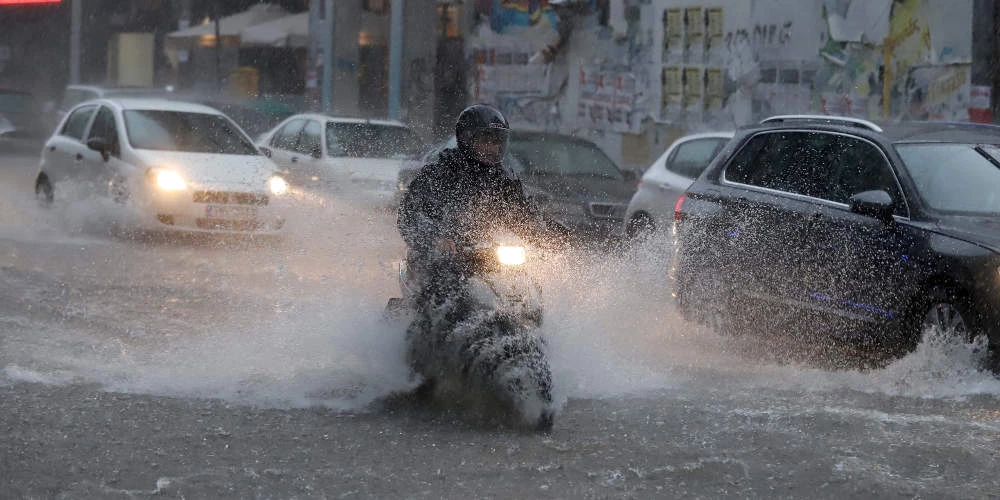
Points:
(141, 364)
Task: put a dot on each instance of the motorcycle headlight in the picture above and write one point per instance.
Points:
(511, 256)
(277, 185)
(168, 180)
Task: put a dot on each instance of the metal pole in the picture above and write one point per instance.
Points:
(312, 78)
(76, 19)
(995, 59)
(395, 57)
(218, 50)
(328, 58)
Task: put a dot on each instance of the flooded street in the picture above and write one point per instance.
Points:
(136, 365)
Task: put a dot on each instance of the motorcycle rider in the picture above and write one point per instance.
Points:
(468, 185)
(467, 189)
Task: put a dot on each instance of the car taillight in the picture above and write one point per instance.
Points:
(678, 209)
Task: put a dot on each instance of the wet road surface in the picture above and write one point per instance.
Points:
(134, 365)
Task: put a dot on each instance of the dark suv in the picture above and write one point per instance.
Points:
(834, 224)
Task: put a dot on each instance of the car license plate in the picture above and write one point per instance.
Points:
(230, 212)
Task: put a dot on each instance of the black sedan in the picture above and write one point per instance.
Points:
(570, 179)
(834, 224)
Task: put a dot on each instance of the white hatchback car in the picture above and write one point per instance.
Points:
(652, 205)
(354, 158)
(179, 165)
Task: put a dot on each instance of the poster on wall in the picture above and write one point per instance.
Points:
(939, 93)
(520, 79)
(671, 94)
(715, 49)
(673, 35)
(979, 104)
(693, 83)
(694, 35)
(714, 90)
(607, 100)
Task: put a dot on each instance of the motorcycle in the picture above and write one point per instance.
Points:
(478, 326)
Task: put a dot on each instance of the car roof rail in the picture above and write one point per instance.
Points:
(857, 122)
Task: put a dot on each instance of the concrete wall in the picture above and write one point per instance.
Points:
(737, 61)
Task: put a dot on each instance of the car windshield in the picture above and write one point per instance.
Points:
(367, 140)
(547, 155)
(185, 131)
(961, 178)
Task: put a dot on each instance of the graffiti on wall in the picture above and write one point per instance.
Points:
(896, 79)
(504, 15)
(775, 64)
(607, 100)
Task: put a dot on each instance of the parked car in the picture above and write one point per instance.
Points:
(570, 179)
(76, 94)
(180, 165)
(353, 157)
(652, 205)
(255, 116)
(21, 129)
(838, 224)
(410, 168)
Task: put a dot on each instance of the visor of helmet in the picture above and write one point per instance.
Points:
(489, 145)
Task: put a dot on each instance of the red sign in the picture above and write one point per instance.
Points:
(27, 2)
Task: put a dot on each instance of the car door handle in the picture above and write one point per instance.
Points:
(295, 159)
(52, 148)
(79, 157)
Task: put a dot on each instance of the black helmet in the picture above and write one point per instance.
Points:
(482, 133)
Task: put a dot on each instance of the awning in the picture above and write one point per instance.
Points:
(233, 25)
(288, 31)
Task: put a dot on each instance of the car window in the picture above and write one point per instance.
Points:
(369, 140)
(76, 124)
(691, 158)
(288, 137)
(858, 166)
(311, 138)
(104, 128)
(547, 155)
(957, 178)
(827, 166)
(187, 132)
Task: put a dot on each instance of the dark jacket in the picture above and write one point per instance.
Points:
(454, 198)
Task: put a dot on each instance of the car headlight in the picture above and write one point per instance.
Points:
(168, 180)
(511, 256)
(277, 185)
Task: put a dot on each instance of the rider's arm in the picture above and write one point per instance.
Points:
(418, 216)
(534, 226)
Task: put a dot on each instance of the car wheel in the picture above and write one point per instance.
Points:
(948, 312)
(117, 190)
(945, 311)
(43, 191)
(641, 225)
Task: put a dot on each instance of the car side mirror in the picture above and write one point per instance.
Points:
(266, 151)
(877, 204)
(100, 145)
(316, 153)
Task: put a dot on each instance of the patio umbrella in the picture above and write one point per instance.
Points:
(229, 26)
(289, 31)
